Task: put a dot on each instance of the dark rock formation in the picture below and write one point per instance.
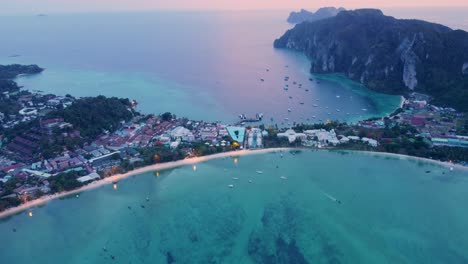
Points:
(304, 15)
(389, 55)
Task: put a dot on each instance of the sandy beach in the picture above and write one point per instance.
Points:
(162, 166)
(190, 161)
(406, 157)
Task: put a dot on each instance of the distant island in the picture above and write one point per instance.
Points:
(396, 56)
(304, 15)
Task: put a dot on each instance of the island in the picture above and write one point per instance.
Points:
(304, 15)
(53, 146)
(395, 56)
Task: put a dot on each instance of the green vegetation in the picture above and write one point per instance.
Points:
(64, 182)
(94, 115)
(381, 52)
(12, 71)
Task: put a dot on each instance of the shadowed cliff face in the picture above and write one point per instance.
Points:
(387, 54)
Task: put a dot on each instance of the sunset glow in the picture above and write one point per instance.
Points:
(52, 6)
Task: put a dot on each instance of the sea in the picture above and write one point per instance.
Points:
(305, 207)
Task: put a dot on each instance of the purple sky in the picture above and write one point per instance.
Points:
(53, 6)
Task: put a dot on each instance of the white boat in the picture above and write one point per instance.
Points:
(289, 109)
(337, 96)
(231, 185)
(235, 178)
(283, 178)
(250, 181)
(315, 105)
(364, 109)
(260, 172)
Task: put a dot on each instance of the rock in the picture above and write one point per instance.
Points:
(394, 56)
(304, 15)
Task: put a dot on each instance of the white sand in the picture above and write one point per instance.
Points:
(406, 157)
(118, 177)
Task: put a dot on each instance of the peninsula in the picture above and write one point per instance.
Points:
(396, 56)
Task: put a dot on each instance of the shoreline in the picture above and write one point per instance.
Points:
(174, 164)
(407, 157)
(115, 178)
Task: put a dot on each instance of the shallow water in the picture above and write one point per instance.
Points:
(390, 211)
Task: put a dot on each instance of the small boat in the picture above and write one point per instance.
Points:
(235, 178)
(231, 185)
(290, 97)
(283, 178)
(289, 109)
(262, 80)
(301, 103)
(313, 116)
(315, 105)
(364, 109)
(306, 90)
(250, 181)
(326, 107)
(310, 79)
(338, 110)
(259, 172)
(337, 96)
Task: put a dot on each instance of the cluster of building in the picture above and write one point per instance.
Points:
(438, 124)
(31, 105)
(106, 153)
(321, 138)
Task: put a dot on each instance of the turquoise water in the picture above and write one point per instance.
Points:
(391, 211)
(183, 62)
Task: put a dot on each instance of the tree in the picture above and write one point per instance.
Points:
(166, 116)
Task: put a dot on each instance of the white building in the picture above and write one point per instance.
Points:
(371, 142)
(323, 137)
(291, 135)
(182, 133)
(255, 139)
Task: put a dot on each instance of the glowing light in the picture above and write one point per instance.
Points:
(115, 186)
(194, 167)
(30, 214)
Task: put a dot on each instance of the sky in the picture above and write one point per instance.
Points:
(77, 6)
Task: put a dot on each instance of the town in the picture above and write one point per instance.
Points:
(46, 147)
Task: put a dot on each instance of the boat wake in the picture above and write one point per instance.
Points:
(333, 199)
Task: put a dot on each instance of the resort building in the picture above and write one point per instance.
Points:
(237, 133)
(291, 135)
(183, 134)
(255, 139)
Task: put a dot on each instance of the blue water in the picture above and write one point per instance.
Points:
(204, 65)
(390, 211)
